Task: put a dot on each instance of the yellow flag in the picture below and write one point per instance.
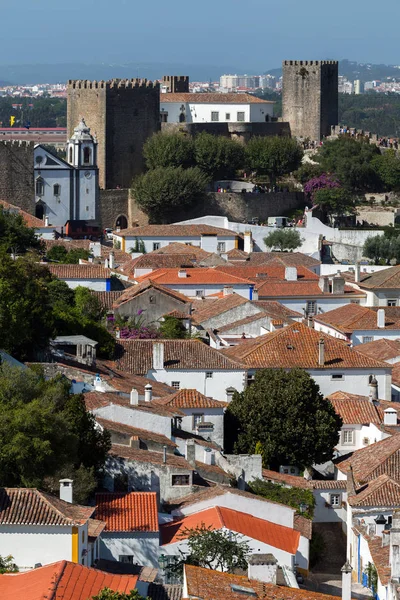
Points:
(12, 121)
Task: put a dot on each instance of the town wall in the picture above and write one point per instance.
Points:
(17, 175)
(239, 131)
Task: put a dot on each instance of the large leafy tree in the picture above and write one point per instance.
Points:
(273, 156)
(162, 192)
(168, 150)
(334, 201)
(388, 168)
(217, 156)
(286, 412)
(283, 239)
(15, 236)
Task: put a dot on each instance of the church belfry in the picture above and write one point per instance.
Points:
(82, 147)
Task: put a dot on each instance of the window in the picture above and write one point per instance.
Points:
(200, 293)
(180, 479)
(83, 536)
(221, 247)
(367, 338)
(335, 500)
(86, 156)
(126, 558)
(348, 436)
(152, 299)
(197, 418)
(392, 302)
(39, 187)
(71, 154)
(337, 377)
(214, 116)
(176, 385)
(156, 245)
(311, 307)
(227, 116)
(56, 189)
(209, 374)
(240, 116)
(354, 301)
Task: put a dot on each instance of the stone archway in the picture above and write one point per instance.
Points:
(121, 222)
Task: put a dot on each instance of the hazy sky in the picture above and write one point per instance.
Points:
(249, 34)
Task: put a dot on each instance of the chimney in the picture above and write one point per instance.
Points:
(182, 273)
(321, 352)
(338, 284)
(324, 284)
(228, 290)
(262, 567)
(148, 392)
(291, 273)
(98, 384)
(380, 318)
(190, 452)
(390, 416)
(373, 389)
(46, 221)
(164, 458)
(247, 242)
(357, 273)
(380, 525)
(117, 333)
(111, 260)
(346, 581)
(158, 356)
(66, 490)
(134, 397)
(106, 263)
(394, 560)
(209, 456)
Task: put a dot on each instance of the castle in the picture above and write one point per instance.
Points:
(310, 97)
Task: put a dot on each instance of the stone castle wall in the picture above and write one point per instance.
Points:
(17, 174)
(122, 114)
(310, 97)
(239, 131)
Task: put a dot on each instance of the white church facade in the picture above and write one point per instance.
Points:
(68, 189)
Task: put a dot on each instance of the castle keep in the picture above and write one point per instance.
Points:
(122, 114)
(310, 97)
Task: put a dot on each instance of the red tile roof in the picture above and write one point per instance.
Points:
(135, 432)
(94, 400)
(175, 231)
(194, 276)
(28, 219)
(147, 284)
(213, 98)
(383, 349)
(298, 346)
(355, 410)
(218, 517)
(385, 279)
(136, 356)
(148, 457)
(84, 271)
(29, 506)
(209, 308)
(62, 581)
(134, 511)
(269, 271)
(286, 478)
(180, 248)
(381, 492)
(289, 259)
(187, 398)
(381, 458)
(95, 528)
(277, 310)
(162, 261)
(352, 317)
(107, 299)
(301, 289)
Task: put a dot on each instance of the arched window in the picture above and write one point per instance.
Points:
(71, 154)
(39, 211)
(86, 156)
(39, 186)
(56, 189)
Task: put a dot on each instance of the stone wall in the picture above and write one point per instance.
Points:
(17, 175)
(239, 131)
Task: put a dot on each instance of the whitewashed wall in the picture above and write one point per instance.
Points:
(199, 241)
(355, 381)
(143, 546)
(324, 512)
(98, 285)
(201, 112)
(211, 415)
(135, 418)
(215, 387)
(190, 289)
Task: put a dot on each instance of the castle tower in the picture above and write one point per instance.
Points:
(176, 84)
(310, 97)
(122, 114)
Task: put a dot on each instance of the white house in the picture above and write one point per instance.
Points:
(68, 189)
(331, 362)
(131, 534)
(90, 275)
(155, 237)
(214, 108)
(382, 288)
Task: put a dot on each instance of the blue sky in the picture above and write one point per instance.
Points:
(248, 34)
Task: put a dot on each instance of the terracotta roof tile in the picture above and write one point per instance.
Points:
(355, 410)
(175, 231)
(28, 219)
(194, 276)
(180, 248)
(383, 349)
(107, 299)
(237, 254)
(159, 591)
(352, 317)
(303, 289)
(298, 346)
(303, 526)
(84, 271)
(381, 492)
(62, 581)
(213, 98)
(329, 484)
(258, 273)
(207, 308)
(385, 279)
(95, 528)
(136, 356)
(29, 506)
(162, 261)
(187, 398)
(147, 284)
(286, 478)
(147, 457)
(218, 517)
(135, 432)
(277, 310)
(94, 400)
(134, 511)
(289, 259)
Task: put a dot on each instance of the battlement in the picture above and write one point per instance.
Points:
(17, 143)
(113, 84)
(309, 63)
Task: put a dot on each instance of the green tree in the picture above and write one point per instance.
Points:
(88, 305)
(162, 193)
(60, 254)
(286, 412)
(7, 565)
(273, 156)
(383, 249)
(107, 594)
(388, 168)
(334, 201)
(168, 150)
(15, 236)
(308, 170)
(172, 329)
(217, 156)
(283, 239)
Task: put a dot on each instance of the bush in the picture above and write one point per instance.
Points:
(290, 496)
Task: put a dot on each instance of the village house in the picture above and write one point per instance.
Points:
(287, 259)
(90, 275)
(154, 237)
(43, 230)
(381, 288)
(331, 362)
(131, 534)
(387, 350)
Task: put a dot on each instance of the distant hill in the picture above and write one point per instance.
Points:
(363, 71)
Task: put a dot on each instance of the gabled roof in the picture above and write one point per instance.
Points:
(148, 457)
(355, 317)
(136, 356)
(147, 284)
(62, 581)
(175, 231)
(354, 409)
(135, 432)
(194, 276)
(289, 259)
(276, 310)
(381, 492)
(385, 279)
(134, 511)
(301, 289)
(162, 261)
(213, 98)
(209, 308)
(180, 248)
(187, 398)
(383, 349)
(28, 219)
(95, 400)
(381, 458)
(83, 271)
(281, 537)
(298, 346)
(95, 528)
(271, 270)
(29, 506)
